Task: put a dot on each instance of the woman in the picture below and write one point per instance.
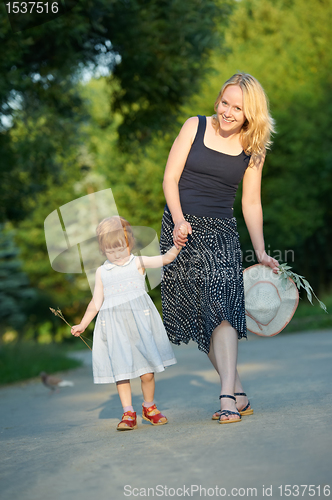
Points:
(202, 290)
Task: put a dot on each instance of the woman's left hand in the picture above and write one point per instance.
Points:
(267, 260)
(180, 233)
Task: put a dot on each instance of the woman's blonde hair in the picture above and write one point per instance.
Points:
(114, 232)
(259, 125)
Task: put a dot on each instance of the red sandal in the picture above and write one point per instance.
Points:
(128, 422)
(153, 415)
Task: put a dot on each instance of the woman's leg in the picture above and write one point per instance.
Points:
(224, 357)
(241, 401)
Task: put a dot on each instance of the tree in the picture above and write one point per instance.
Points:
(155, 50)
(15, 289)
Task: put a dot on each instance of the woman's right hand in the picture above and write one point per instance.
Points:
(77, 330)
(181, 229)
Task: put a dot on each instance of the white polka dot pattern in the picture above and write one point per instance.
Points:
(204, 285)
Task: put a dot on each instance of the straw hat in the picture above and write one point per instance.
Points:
(269, 304)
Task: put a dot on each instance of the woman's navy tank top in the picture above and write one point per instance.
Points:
(210, 179)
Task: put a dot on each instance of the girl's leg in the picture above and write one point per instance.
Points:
(148, 387)
(224, 357)
(124, 390)
(128, 421)
(154, 416)
(241, 401)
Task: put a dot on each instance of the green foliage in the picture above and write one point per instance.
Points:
(163, 57)
(300, 281)
(16, 293)
(42, 140)
(24, 360)
(310, 317)
(155, 60)
(64, 290)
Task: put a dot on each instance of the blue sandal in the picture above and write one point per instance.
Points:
(245, 411)
(226, 413)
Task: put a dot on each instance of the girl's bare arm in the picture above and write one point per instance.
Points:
(158, 260)
(161, 260)
(93, 306)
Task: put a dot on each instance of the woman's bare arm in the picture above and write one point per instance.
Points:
(253, 213)
(175, 164)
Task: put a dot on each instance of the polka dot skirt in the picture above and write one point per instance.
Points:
(204, 285)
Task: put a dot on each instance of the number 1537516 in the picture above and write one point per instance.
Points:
(299, 490)
(30, 7)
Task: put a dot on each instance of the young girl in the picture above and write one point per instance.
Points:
(129, 338)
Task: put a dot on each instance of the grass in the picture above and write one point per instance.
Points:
(23, 360)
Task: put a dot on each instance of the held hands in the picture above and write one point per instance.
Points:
(76, 330)
(267, 260)
(180, 232)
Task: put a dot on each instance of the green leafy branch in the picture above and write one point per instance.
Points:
(285, 273)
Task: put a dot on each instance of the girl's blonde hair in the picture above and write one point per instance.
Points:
(259, 125)
(114, 232)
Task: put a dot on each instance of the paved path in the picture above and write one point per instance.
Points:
(65, 446)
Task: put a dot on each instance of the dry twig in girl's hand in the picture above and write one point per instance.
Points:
(60, 315)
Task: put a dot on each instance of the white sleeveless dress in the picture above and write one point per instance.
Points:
(129, 338)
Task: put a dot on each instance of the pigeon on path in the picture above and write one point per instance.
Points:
(54, 382)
